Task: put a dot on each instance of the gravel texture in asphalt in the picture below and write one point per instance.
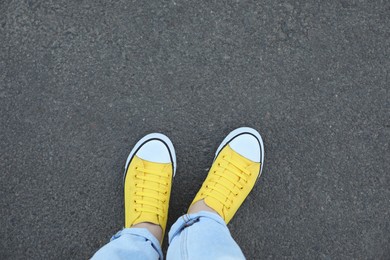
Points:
(82, 81)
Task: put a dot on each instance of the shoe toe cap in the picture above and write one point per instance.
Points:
(248, 146)
(154, 151)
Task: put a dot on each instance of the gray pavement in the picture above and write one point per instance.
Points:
(81, 81)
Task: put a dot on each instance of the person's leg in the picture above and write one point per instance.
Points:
(202, 233)
(149, 170)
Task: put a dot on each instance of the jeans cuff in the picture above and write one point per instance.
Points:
(189, 219)
(141, 232)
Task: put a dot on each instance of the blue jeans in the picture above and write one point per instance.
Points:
(203, 235)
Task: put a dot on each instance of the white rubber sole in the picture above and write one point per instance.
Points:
(239, 131)
(149, 137)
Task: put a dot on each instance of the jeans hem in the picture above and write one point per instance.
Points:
(189, 219)
(142, 232)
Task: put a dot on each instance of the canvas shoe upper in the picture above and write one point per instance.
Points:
(149, 170)
(237, 165)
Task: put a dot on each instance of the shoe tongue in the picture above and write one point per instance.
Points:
(147, 216)
(215, 205)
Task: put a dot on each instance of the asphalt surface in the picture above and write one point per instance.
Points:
(82, 81)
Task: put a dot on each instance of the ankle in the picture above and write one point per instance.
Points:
(156, 230)
(200, 206)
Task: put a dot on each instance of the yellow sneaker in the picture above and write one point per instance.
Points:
(237, 165)
(149, 171)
